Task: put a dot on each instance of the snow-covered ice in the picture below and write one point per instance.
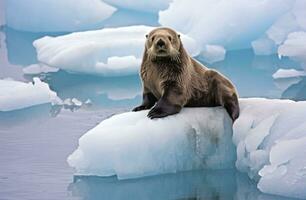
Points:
(270, 139)
(213, 53)
(131, 145)
(143, 6)
(106, 52)
(38, 69)
(55, 16)
(16, 95)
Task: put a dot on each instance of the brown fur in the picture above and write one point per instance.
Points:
(172, 79)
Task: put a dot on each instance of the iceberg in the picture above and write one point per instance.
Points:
(17, 95)
(38, 69)
(131, 145)
(142, 6)
(106, 52)
(294, 47)
(233, 24)
(56, 16)
(213, 53)
(288, 73)
(264, 46)
(270, 139)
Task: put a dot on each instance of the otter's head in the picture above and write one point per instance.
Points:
(163, 43)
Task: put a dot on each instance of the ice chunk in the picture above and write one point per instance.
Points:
(286, 173)
(131, 145)
(213, 53)
(294, 47)
(107, 52)
(288, 73)
(38, 69)
(55, 16)
(16, 95)
(232, 24)
(270, 136)
(264, 46)
(143, 6)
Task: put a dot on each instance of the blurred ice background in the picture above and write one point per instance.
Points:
(66, 65)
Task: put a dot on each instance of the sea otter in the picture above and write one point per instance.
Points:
(172, 79)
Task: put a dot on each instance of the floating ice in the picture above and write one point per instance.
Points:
(107, 52)
(51, 16)
(38, 69)
(270, 136)
(213, 53)
(131, 145)
(264, 46)
(143, 6)
(16, 95)
(232, 24)
(295, 47)
(288, 73)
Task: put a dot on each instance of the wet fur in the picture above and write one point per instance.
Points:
(177, 80)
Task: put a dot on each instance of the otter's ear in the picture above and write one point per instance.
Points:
(147, 35)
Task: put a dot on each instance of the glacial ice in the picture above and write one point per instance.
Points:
(294, 47)
(131, 145)
(142, 6)
(288, 73)
(270, 139)
(16, 95)
(213, 53)
(107, 52)
(233, 24)
(56, 16)
(38, 69)
(269, 136)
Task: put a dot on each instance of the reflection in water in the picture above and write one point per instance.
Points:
(296, 91)
(208, 185)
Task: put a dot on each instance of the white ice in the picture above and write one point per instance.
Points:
(142, 6)
(269, 136)
(270, 139)
(213, 53)
(264, 46)
(17, 95)
(107, 52)
(38, 69)
(295, 47)
(233, 24)
(131, 145)
(288, 73)
(55, 16)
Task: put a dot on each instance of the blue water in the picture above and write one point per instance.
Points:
(35, 142)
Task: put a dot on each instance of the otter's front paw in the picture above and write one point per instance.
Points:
(139, 108)
(157, 112)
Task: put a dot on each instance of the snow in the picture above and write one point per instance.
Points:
(142, 6)
(213, 53)
(106, 52)
(56, 16)
(270, 139)
(233, 24)
(38, 69)
(288, 73)
(131, 145)
(17, 95)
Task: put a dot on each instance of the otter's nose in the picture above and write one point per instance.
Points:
(160, 43)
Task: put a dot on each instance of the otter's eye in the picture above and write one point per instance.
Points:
(169, 38)
(152, 38)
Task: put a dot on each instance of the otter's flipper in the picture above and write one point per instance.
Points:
(148, 102)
